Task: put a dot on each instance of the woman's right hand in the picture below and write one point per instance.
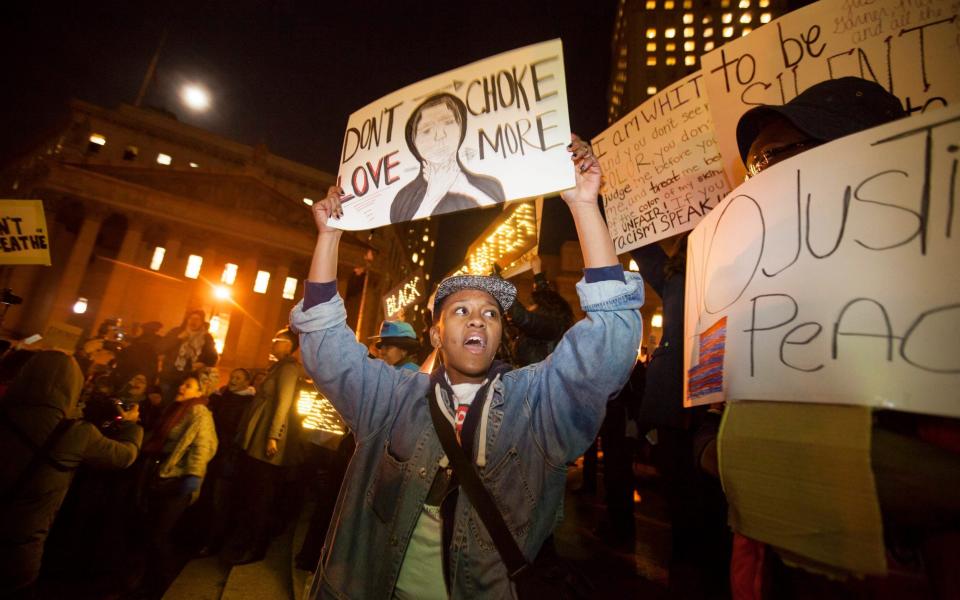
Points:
(329, 207)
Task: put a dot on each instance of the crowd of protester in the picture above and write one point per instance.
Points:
(167, 463)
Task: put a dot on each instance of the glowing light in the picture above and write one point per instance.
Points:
(727, 32)
(290, 288)
(193, 165)
(708, 46)
(651, 46)
(671, 60)
(164, 159)
(765, 18)
(651, 61)
(261, 282)
(651, 33)
(633, 265)
(689, 46)
(656, 321)
(195, 97)
(318, 413)
(415, 257)
(745, 31)
(157, 260)
(214, 324)
(727, 18)
(687, 19)
(221, 292)
(194, 263)
(688, 32)
(744, 4)
(308, 201)
(218, 344)
(80, 306)
(708, 32)
(671, 32)
(651, 90)
(229, 274)
(689, 60)
(746, 18)
(96, 138)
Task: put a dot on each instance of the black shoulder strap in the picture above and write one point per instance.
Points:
(41, 454)
(479, 496)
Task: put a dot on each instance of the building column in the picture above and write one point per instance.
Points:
(75, 268)
(114, 292)
(274, 302)
(241, 291)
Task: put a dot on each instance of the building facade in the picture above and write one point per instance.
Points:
(149, 217)
(657, 42)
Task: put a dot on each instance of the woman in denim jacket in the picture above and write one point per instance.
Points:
(400, 529)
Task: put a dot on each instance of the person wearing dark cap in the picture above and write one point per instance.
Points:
(397, 345)
(268, 436)
(907, 470)
(402, 529)
(140, 357)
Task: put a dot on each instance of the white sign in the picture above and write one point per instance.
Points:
(483, 134)
(910, 47)
(662, 169)
(24, 239)
(836, 274)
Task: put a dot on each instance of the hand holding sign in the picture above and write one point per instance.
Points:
(587, 174)
(329, 207)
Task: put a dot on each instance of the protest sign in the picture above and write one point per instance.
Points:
(492, 131)
(910, 47)
(24, 239)
(661, 166)
(403, 295)
(835, 273)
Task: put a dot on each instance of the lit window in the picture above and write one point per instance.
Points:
(97, 139)
(764, 3)
(431, 243)
(725, 3)
(290, 288)
(727, 18)
(708, 32)
(415, 257)
(421, 262)
(707, 20)
(668, 4)
(727, 32)
(671, 60)
(687, 19)
(130, 153)
(651, 61)
(229, 274)
(765, 18)
(707, 46)
(689, 60)
(651, 4)
(651, 90)
(651, 46)
(746, 18)
(744, 4)
(308, 201)
(651, 33)
(164, 159)
(157, 260)
(688, 4)
(193, 165)
(193, 266)
(80, 306)
(261, 282)
(671, 32)
(688, 32)
(656, 320)
(689, 46)
(425, 238)
(671, 47)
(745, 31)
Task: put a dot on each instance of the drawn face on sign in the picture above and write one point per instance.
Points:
(438, 133)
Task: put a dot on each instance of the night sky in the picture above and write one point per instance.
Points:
(284, 73)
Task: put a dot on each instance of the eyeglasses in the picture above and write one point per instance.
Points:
(772, 156)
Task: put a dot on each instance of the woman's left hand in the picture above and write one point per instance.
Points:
(587, 173)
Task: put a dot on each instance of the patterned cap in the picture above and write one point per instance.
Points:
(502, 290)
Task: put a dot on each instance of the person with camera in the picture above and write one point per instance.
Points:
(42, 444)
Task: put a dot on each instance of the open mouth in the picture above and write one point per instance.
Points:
(475, 343)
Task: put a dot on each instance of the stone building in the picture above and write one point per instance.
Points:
(150, 217)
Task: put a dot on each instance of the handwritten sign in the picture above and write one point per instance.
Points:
(493, 131)
(910, 47)
(24, 239)
(406, 294)
(661, 166)
(836, 273)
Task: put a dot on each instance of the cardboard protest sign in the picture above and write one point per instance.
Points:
(910, 47)
(835, 275)
(492, 131)
(661, 166)
(24, 239)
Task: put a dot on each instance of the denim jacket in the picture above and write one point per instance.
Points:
(537, 420)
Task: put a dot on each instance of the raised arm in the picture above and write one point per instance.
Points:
(595, 357)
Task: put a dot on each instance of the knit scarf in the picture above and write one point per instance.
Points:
(172, 416)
